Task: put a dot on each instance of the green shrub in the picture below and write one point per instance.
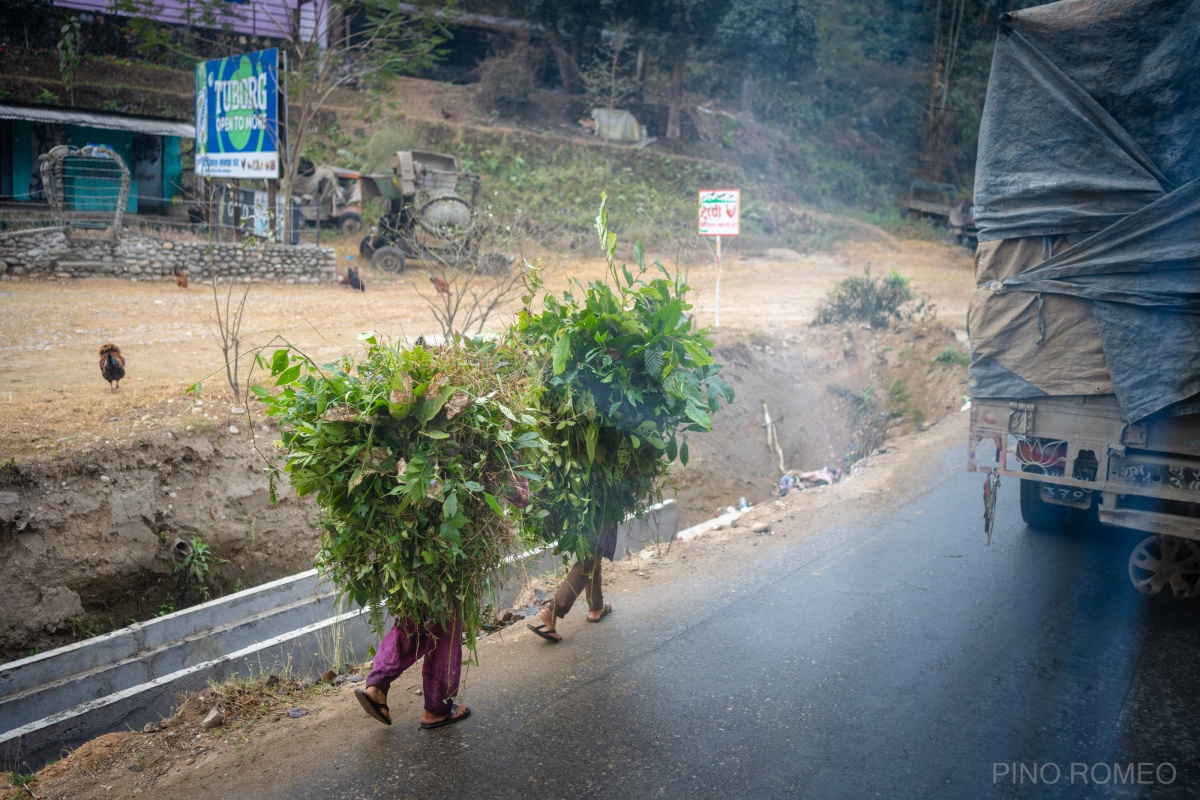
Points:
(878, 301)
(952, 357)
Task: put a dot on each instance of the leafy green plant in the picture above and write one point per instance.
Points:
(21, 778)
(411, 454)
(195, 565)
(898, 397)
(952, 357)
(85, 626)
(47, 98)
(626, 377)
(877, 301)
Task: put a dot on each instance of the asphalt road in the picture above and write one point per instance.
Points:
(899, 657)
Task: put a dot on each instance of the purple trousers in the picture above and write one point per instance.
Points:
(441, 647)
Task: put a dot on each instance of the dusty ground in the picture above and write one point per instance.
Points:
(260, 739)
(54, 400)
(107, 483)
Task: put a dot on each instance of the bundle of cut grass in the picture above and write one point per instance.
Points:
(413, 456)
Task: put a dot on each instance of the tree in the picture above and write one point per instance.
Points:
(566, 25)
(30, 12)
(69, 53)
(676, 30)
(772, 40)
(363, 43)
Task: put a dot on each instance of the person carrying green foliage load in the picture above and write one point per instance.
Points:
(625, 377)
(410, 455)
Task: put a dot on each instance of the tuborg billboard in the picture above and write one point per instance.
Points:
(237, 116)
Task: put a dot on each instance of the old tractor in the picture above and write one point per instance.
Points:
(329, 197)
(430, 214)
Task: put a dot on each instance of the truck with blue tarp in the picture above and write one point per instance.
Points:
(1085, 321)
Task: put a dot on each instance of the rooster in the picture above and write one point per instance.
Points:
(112, 365)
(181, 278)
(441, 284)
(352, 280)
(447, 115)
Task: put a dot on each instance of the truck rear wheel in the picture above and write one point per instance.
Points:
(1162, 562)
(1044, 516)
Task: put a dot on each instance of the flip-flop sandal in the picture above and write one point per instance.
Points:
(373, 709)
(450, 720)
(603, 613)
(550, 636)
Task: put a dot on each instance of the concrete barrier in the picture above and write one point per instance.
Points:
(126, 678)
(304, 651)
(21, 676)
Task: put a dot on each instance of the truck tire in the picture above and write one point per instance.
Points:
(349, 223)
(1043, 516)
(388, 259)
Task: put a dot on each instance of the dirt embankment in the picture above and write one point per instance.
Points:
(90, 542)
(834, 394)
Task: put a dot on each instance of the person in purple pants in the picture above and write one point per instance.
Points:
(440, 644)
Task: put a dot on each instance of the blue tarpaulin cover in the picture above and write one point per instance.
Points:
(1090, 137)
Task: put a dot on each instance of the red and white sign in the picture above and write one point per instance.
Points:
(720, 212)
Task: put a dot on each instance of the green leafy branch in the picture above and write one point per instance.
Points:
(414, 456)
(626, 376)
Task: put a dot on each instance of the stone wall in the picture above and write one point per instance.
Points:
(48, 252)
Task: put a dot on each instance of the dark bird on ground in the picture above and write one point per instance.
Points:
(447, 114)
(112, 365)
(181, 278)
(440, 283)
(352, 280)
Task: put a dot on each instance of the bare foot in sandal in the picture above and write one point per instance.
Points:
(548, 619)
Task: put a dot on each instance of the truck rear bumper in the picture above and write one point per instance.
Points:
(1146, 475)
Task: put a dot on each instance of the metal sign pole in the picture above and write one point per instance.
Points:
(719, 215)
(718, 281)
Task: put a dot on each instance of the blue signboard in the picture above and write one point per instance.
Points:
(237, 116)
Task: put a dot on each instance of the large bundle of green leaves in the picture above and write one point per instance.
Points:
(414, 458)
(626, 376)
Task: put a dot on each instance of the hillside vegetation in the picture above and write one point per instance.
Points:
(832, 104)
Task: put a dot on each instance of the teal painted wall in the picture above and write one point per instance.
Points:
(172, 168)
(23, 164)
(22, 156)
